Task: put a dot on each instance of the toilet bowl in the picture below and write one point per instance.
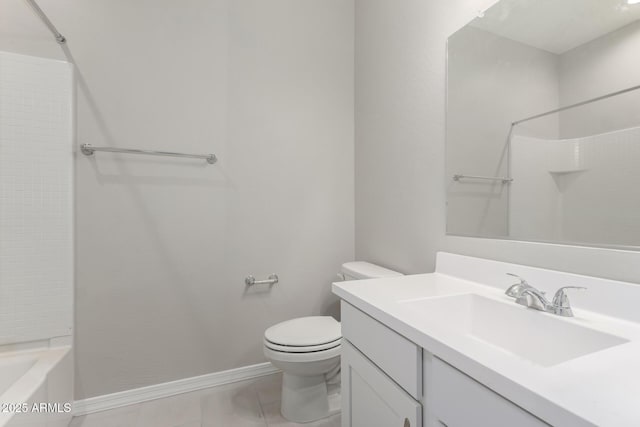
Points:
(307, 351)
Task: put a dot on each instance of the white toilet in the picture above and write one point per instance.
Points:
(307, 350)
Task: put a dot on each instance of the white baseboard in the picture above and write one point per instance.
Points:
(158, 391)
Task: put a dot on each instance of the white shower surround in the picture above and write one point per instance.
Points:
(36, 199)
(570, 189)
(36, 239)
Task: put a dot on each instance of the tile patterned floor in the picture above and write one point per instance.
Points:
(254, 403)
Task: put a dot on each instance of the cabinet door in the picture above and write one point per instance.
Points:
(372, 399)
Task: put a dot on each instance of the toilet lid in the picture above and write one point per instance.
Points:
(305, 331)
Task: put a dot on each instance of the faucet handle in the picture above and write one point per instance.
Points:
(522, 280)
(515, 291)
(561, 301)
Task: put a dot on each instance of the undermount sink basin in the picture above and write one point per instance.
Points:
(542, 339)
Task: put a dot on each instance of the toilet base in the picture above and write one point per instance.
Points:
(306, 399)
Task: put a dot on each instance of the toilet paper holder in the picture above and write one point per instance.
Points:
(271, 280)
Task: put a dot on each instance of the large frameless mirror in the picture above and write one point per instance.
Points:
(543, 123)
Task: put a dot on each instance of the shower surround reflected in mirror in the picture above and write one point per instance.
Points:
(543, 123)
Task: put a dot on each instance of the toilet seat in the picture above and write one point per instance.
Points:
(302, 349)
(302, 358)
(304, 334)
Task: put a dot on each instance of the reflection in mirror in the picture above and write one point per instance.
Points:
(543, 123)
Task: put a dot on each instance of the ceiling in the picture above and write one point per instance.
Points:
(556, 25)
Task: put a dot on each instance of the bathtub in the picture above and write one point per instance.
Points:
(36, 387)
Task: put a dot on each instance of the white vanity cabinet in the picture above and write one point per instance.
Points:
(383, 383)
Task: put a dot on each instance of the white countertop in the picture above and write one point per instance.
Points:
(598, 389)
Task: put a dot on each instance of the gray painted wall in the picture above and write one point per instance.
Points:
(164, 245)
(604, 65)
(400, 148)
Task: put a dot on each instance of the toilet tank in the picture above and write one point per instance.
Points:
(358, 270)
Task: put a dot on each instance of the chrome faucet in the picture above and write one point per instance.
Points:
(527, 295)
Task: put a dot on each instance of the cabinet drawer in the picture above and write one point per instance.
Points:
(398, 357)
(460, 401)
